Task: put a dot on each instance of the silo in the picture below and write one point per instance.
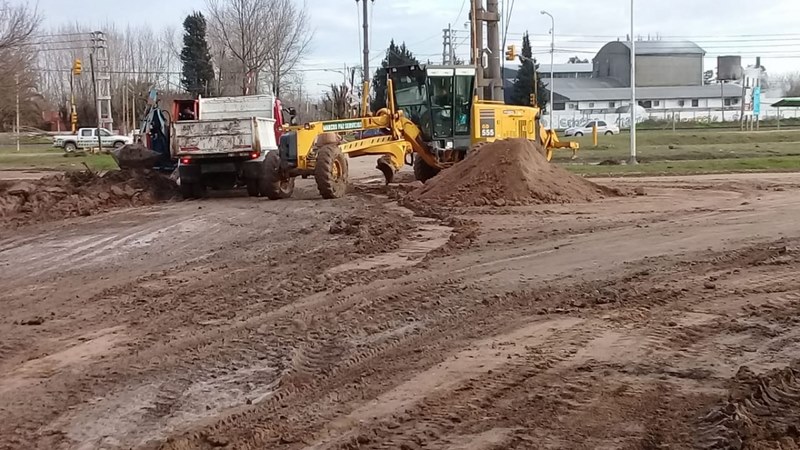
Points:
(729, 68)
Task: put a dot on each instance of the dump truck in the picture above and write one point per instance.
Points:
(221, 142)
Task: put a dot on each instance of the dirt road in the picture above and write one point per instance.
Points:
(664, 320)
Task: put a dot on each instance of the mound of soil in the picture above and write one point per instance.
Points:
(135, 156)
(83, 193)
(509, 172)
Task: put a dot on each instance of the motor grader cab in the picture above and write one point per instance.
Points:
(440, 100)
(431, 121)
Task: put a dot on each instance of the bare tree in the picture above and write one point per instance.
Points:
(17, 24)
(291, 38)
(17, 75)
(792, 83)
(243, 26)
(259, 37)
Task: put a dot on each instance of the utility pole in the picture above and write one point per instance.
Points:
(16, 79)
(633, 90)
(476, 11)
(447, 45)
(366, 38)
(492, 19)
(490, 84)
(102, 84)
(552, 71)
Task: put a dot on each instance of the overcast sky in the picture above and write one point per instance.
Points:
(582, 26)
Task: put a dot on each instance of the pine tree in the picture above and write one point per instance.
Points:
(395, 56)
(198, 73)
(522, 88)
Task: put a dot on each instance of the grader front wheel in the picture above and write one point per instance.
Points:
(331, 171)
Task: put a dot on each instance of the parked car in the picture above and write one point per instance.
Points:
(87, 138)
(586, 129)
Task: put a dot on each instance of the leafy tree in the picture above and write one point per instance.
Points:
(522, 88)
(577, 60)
(395, 56)
(198, 73)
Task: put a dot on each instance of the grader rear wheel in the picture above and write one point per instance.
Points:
(331, 171)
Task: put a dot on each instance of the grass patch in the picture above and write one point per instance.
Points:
(692, 167)
(55, 161)
(11, 149)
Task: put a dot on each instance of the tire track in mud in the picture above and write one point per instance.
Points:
(436, 420)
(762, 413)
(157, 357)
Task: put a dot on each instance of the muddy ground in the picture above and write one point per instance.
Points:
(664, 320)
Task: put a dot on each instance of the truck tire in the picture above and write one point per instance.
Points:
(331, 171)
(253, 187)
(273, 185)
(422, 171)
(119, 144)
(70, 147)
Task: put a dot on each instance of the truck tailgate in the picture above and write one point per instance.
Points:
(221, 136)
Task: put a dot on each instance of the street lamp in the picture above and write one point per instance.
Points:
(552, 57)
(633, 93)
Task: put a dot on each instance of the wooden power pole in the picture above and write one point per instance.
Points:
(489, 80)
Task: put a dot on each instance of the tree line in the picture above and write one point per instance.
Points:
(232, 47)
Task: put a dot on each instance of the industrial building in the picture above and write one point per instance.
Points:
(669, 79)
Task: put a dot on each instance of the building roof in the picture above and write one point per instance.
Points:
(787, 103)
(544, 69)
(662, 47)
(584, 83)
(651, 93)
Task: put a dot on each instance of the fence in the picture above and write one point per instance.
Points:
(567, 119)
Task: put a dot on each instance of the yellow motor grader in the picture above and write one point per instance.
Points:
(431, 122)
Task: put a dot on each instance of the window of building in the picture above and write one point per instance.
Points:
(612, 105)
(735, 101)
(572, 106)
(656, 102)
(559, 106)
(728, 102)
(646, 104)
(591, 104)
(681, 102)
(695, 102)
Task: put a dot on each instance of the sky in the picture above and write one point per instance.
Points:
(721, 27)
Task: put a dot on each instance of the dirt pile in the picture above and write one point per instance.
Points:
(135, 156)
(374, 232)
(508, 173)
(83, 193)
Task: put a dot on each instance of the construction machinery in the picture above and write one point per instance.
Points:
(432, 120)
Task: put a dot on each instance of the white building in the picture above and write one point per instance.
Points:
(669, 80)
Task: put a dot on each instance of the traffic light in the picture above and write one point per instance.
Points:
(77, 67)
(511, 53)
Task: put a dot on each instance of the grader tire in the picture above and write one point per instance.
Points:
(422, 171)
(271, 184)
(331, 172)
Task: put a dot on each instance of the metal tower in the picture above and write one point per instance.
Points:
(102, 80)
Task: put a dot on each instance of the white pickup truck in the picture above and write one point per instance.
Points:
(87, 138)
(225, 147)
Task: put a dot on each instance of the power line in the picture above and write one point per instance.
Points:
(460, 11)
